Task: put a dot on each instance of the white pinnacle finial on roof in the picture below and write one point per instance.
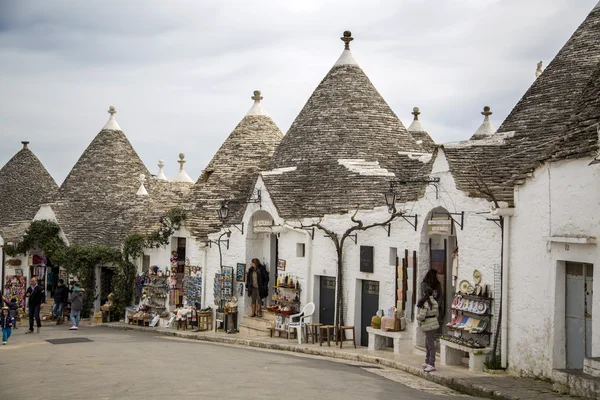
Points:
(257, 108)
(182, 176)
(112, 125)
(161, 175)
(538, 71)
(416, 124)
(346, 57)
(142, 190)
(486, 128)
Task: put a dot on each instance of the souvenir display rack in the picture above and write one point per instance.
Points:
(192, 285)
(156, 290)
(17, 286)
(286, 299)
(471, 321)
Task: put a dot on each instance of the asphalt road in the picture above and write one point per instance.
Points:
(116, 364)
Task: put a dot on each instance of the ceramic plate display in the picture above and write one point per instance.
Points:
(479, 290)
(471, 289)
(463, 286)
(477, 276)
(481, 308)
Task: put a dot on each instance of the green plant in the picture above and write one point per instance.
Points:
(493, 362)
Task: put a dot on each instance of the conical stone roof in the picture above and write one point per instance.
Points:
(25, 185)
(343, 147)
(233, 170)
(542, 126)
(93, 201)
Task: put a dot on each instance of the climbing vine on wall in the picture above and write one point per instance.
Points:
(80, 261)
(133, 249)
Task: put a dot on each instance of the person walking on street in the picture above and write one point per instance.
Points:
(76, 305)
(61, 295)
(427, 316)
(37, 299)
(6, 322)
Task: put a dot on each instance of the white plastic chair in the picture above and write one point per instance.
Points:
(303, 318)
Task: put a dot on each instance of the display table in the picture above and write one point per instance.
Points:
(378, 339)
(452, 354)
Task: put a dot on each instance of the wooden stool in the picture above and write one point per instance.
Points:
(325, 331)
(313, 331)
(342, 333)
(182, 323)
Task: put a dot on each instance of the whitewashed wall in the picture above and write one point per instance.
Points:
(561, 200)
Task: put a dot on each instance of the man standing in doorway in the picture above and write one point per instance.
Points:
(61, 295)
(37, 299)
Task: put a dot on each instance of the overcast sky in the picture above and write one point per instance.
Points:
(181, 73)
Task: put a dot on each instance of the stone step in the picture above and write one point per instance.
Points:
(252, 331)
(577, 383)
(591, 366)
(258, 322)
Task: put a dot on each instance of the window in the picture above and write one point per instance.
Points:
(366, 258)
(300, 249)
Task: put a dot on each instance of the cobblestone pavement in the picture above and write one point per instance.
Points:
(116, 364)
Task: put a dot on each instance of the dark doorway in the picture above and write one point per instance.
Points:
(327, 300)
(369, 306)
(106, 283)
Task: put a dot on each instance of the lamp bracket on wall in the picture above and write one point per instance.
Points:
(354, 238)
(387, 228)
(239, 228)
(406, 218)
(312, 232)
(217, 242)
(451, 216)
(255, 198)
(497, 221)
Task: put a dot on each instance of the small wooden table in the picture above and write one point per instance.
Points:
(205, 320)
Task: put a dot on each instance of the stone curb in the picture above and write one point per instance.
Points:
(458, 384)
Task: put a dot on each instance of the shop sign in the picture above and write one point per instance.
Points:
(440, 226)
(262, 226)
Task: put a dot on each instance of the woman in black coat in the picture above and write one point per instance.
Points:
(257, 283)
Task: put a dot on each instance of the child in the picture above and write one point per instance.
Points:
(13, 309)
(6, 322)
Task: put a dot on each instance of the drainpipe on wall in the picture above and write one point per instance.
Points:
(506, 213)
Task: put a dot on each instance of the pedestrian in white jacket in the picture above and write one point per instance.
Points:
(427, 316)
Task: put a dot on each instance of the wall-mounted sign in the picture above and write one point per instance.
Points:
(440, 226)
(262, 226)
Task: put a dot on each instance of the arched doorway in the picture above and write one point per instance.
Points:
(438, 250)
